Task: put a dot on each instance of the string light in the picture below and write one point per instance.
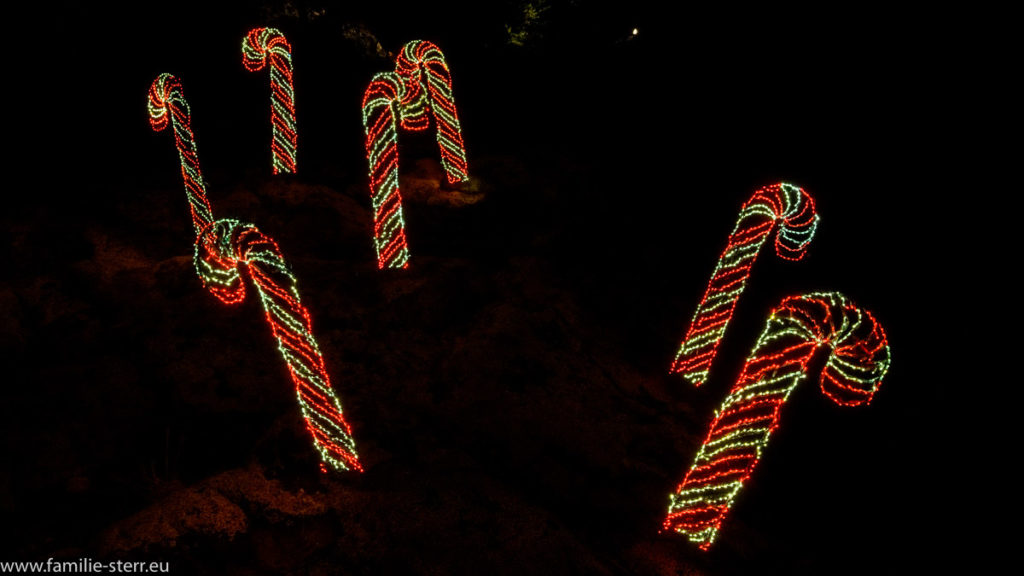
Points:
(428, 86)
(784, 204)
(260, 45)
(223, 248)
(858, 360)
(379, 112)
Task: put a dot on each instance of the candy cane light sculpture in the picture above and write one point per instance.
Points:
(380, 103)
(258, 47)
(428, 86)
(223, 249)
(858, 357)
(783, 206)
(167, 105)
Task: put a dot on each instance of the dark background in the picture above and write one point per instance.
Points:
(508, 391)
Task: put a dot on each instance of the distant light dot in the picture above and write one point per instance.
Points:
(635, 31)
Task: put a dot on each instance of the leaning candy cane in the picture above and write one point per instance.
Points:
(222, 249)
(793, 210)
(857, 361)
(379, 111)
(428, 85)
(226, 247)
(258, 46)
(166, 105)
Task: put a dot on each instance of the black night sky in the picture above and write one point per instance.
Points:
(509, 391)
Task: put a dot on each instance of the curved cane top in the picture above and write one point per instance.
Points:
(859, 350)
(385, 89)
(793, 209)
(164, 92)
(259, 43)
(221, 247)
(409, 66)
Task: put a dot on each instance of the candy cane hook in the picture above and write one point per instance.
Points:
(258, 46)
(379, 112)
(428, 85)
(801, 325)
(223, 249)
(167, 104)
(784, 204)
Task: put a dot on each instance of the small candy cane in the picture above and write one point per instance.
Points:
(428, 86)
(222, 249)
(259, 45)
(789, 206)
(858, 360)
(379, 112)
(166, 105)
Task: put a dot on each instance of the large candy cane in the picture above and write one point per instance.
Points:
(784, 204)
(258, 46)
(857, 361)
(379, 112)
(428, 85)
(222, 249)
(166, 105)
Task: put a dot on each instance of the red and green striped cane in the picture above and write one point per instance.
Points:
(858, 358)
(783, 206)
(428, 86)
(167, 105)
(223, 250)
(379, 113)
(259, 46)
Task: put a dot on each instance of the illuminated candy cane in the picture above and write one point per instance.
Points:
(226, 247)
(223, 248)
(379, 112)
(428, 86)
(166, 105)
(784, 204)
(258, 46)
(857, 361)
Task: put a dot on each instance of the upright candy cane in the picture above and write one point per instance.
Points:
(379, 112)
(857, 361)
(258, 46)
(428, 86)
(784, 204)
(223, 248)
